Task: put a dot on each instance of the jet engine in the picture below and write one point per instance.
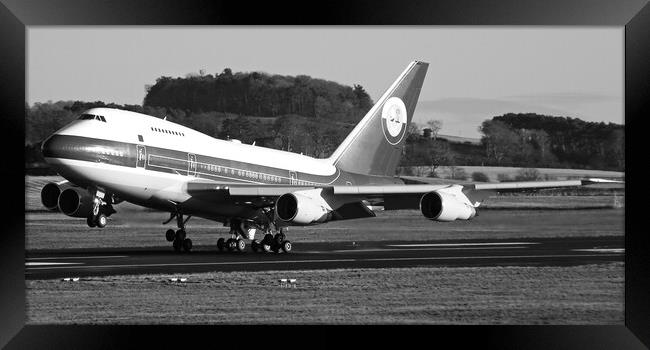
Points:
(446, 206)
(303, 208)
(76, 202)
(50, 194)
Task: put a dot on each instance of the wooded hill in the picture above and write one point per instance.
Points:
(262, 95)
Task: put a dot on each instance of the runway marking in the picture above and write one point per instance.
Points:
(460, 244)
(81, 257)
(49, 263)
(407, 249)
(200, 264)
(494, 257)
(331, 261)
(601, 250)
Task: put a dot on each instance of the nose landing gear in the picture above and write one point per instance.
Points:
(102, 208)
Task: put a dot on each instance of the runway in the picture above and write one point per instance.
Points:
(305, 256)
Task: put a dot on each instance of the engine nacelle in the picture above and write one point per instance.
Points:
(76, 202)
(303, 208)
(50, 194)
(444, 206)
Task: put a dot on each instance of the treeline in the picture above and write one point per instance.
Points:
(525, 140)
(260, 94)
(537, 140)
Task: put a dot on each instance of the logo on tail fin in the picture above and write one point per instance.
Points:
(394, 120)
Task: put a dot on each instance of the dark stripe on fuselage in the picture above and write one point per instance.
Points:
(184, 163)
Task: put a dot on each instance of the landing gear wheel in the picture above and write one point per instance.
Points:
(90, 221)
(177, 245)
(221, 244)
(286, 246)
(187, 245)
(180, 234)
(170, 235)
(232, 244)
(101, 220)
(255, 245)
(241, 245)
(279, 237)
(266, 247)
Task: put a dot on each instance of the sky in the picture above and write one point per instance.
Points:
(475, 73)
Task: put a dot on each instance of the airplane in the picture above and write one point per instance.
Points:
(108, 156)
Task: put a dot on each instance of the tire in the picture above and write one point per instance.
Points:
(90, 221)
(187, 245)
(101, 220)
(170, 235)
(241, 245)
(278, 238)
(177, 245)
(221, 244)
(232, 244)
(255, 245)
(180, 234)
(286, 246)
(266, 247)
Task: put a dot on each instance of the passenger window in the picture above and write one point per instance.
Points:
(140, 138)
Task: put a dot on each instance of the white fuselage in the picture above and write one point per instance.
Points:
(158, 176)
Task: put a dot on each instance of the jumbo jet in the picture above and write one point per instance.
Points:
(109, 155)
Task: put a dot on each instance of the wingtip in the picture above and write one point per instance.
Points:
(590, 181)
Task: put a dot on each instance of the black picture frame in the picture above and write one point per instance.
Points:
(15, 15)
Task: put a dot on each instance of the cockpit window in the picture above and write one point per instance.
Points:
(92, 116)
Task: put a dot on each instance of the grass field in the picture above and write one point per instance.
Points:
(590, 294)
(144, 229)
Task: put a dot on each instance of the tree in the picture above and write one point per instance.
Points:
(527, 174)
(501, 142)
(435, 126)
(412, 132)
(480, 177)
(456, 173)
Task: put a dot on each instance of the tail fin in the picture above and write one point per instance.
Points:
(375, 145)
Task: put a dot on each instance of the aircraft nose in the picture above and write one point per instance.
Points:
(46, 146)
(53, 146)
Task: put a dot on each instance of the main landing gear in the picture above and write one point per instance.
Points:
(270, 243)
(236, 241)
(178, 237)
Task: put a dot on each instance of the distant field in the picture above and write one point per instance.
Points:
(589, 294)
(556, 173)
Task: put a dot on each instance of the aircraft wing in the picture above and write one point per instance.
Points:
(389, 196)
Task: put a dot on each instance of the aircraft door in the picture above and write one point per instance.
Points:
(141, 156)
(191, 166)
